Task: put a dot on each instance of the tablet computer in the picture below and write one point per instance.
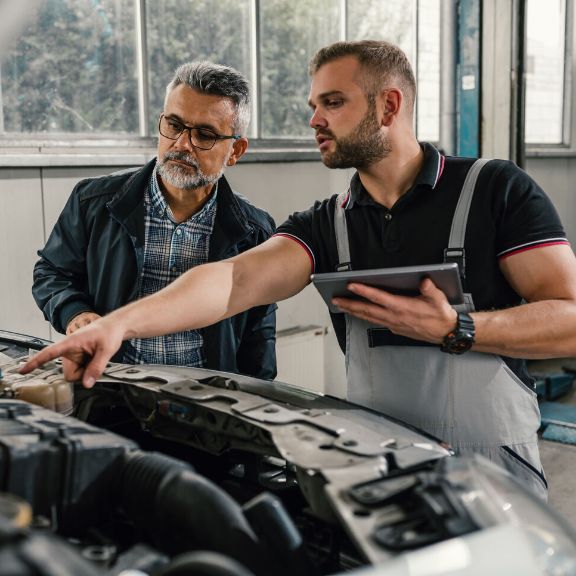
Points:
(403, 280)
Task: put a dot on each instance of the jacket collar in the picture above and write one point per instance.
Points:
(230, 225)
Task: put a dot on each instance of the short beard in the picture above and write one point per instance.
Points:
(363, 147)
(180, 177)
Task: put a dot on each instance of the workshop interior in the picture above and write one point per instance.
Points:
(165, 470)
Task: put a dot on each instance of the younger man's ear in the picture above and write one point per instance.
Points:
(391, 102)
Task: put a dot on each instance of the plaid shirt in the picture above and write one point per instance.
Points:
(169, 250)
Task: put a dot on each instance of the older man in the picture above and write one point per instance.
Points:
(127, 235)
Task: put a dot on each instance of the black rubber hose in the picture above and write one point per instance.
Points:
(203, 564)
(182, 511)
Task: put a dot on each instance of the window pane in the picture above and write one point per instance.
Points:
(291, 33)
(545, 71)
(393, 21)
(396, 22)
(428, 107)
(180, 31)
(72, 70)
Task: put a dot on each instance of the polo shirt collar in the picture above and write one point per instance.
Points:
(429, 174)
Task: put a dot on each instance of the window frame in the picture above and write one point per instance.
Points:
(567, 147)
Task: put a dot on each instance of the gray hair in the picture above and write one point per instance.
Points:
(210, 78)
(381, 62)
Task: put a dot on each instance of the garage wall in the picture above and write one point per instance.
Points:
(21, 233)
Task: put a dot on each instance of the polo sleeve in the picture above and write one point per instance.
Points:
(304, 227)
(527, 218)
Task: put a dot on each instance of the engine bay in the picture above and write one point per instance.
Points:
(160, 467)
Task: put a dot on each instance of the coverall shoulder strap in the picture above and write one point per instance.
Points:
(341, 231)
(455, 250)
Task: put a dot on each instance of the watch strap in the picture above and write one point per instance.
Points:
(462, 338)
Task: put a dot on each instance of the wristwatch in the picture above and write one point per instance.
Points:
(460, 339)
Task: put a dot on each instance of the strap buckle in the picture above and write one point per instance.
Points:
(344, 267)
(457, 255)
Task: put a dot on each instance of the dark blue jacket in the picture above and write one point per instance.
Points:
(93, 262)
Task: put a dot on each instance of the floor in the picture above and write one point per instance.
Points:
(559, 460)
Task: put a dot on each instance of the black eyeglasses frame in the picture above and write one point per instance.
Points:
(217, 137)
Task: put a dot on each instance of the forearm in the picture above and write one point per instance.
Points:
(540, 329)
(273, 271)
(212, 292)
(545, 329)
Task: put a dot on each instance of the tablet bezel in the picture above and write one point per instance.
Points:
(403, 280)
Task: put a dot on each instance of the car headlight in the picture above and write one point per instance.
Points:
(492, 496)
(465, 516)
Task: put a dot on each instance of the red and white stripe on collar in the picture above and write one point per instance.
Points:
(439, 169)
(347, 199)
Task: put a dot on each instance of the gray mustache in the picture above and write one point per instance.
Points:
(181, 157)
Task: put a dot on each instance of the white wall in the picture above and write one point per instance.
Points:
(21, 234)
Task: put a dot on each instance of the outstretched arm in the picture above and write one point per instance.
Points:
(272, 271)
(542, 328)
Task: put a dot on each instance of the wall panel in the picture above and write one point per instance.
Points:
(21, 233)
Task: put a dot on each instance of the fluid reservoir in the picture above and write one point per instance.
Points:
(52, 392)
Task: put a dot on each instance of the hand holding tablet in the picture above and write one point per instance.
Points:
(403, 280)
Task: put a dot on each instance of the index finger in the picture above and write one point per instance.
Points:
(39, 359)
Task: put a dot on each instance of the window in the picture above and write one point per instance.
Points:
(291, 32)
(72, 71)
(181, 30)
(546, 113)
(97, 69)
(415, 27)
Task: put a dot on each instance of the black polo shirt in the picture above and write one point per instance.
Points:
(509, 213)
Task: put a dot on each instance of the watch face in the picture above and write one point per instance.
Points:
(462, 338)
(458, 342)
(462, 343)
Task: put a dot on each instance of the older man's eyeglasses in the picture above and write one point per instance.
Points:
(201, 138)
